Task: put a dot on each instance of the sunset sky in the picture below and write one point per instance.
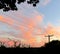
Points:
(32, 24)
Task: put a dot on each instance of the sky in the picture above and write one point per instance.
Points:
(32, 24)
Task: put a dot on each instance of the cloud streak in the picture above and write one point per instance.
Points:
(26, 26)
(45, 2)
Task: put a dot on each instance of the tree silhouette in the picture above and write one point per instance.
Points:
(7, 5)
(54, 44)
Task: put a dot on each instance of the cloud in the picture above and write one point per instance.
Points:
(45, 2)
(6, 20)
(52, 30)
(49, 29)
(29, 30)
(26, 26)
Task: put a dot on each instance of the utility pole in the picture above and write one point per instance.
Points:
(49, 38)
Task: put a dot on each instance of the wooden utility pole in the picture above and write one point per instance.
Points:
(49, 36)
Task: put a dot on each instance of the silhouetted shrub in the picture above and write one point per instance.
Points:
(54, 44)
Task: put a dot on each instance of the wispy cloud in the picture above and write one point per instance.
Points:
(45, 2)
(26, 27)
(51, 29)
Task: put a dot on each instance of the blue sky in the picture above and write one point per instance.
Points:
(51, 12)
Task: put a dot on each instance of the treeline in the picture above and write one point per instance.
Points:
(15, 45)
(53, 44)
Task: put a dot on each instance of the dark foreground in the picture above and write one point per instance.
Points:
(53, 46)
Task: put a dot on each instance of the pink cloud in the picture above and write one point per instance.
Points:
(27, 26)
(52, 30)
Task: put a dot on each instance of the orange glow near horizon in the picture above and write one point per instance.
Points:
(28, 29)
